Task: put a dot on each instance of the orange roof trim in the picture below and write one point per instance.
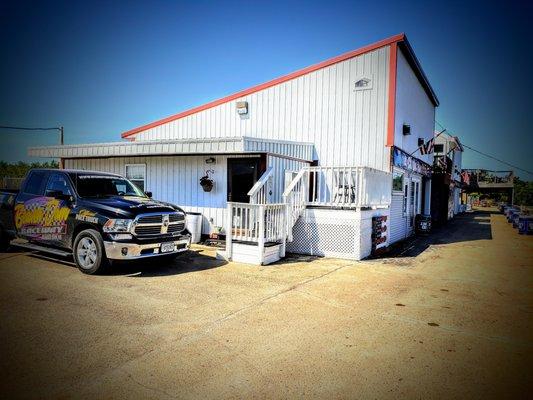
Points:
(394, 39)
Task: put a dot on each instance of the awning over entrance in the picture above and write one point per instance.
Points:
(229, 145)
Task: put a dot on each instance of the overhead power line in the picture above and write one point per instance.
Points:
(23, 128)
(497, 159)
(490, 156)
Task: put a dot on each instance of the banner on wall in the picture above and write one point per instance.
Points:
(406, 161)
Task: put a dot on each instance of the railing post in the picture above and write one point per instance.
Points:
(261, 236)
(229, 225)
(284, 227)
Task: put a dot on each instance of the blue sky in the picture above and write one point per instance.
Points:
(100, 68)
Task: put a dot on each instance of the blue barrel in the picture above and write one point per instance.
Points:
(510, 214)
(525, 225)
(516, 215)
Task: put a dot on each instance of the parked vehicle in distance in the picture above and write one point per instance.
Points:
(95, 216)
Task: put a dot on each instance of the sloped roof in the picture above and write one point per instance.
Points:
(400, 39)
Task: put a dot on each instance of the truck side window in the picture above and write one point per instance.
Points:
(35, 183)
(58, 183)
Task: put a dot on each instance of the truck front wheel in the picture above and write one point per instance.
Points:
(88, 252)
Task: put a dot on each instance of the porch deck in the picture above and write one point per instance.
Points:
(346, 192)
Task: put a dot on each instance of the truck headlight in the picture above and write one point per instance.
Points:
(117, 225)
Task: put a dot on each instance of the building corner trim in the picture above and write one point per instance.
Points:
(391, 114)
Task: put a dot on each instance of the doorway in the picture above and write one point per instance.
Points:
(242, 175)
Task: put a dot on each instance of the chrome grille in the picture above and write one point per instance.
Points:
(176, 227)
(150, 219)
(158, 224)
(176, 217)
(148, 230)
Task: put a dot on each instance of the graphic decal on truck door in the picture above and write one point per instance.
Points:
(42, 218)
(87, 216)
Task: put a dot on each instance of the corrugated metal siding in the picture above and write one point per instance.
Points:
(281, 165)
(178, 146)
(302, 150)
(348, 127)
(167, 147)
(398, 223)
(175, 179)
(413, 107)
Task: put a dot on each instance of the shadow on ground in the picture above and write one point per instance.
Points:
(465, 227)
(190, 261)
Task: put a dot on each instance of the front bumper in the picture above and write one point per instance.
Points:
(135, 251)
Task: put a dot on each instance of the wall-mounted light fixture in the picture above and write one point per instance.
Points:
(211, 160)
(420, 141)
(242, 107)
(406, 129)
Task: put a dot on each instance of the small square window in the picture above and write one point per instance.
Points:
(397, 182)
(136, 173)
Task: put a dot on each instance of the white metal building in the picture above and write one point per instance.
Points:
(450, 147)
(301, 157)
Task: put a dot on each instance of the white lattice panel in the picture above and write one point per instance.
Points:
(330, 233)
(334, 233)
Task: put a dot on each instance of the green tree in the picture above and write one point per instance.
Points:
(523, 192)
(21, 168)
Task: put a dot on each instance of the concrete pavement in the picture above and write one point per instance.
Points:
(450, 316)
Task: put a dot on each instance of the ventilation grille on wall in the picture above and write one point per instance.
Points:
(363, 83)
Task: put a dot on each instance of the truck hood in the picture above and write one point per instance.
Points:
(129, 206)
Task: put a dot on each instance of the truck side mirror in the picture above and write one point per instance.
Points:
(149, 194)
(58, 194)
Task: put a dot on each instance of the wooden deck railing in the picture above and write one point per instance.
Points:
(255, 223)
(342, 187)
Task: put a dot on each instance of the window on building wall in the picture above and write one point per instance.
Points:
(412, 205)
(438, 148)
(397, 182)
(417, 197)
(405, 197)
(137, 174)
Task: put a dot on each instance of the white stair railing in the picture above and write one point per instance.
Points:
(256, 223)
(295, 197)
(262, 190)
(337, 187)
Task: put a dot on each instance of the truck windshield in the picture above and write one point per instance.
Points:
(106, 185)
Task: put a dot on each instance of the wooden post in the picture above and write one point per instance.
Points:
(284, 228)
(261, 236)
(229, 224)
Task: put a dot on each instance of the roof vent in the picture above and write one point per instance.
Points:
(363, 83)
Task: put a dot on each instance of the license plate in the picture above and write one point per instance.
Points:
(167, 247)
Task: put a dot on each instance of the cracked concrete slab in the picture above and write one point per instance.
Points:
(453, 320)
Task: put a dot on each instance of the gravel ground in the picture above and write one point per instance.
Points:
(445, 316)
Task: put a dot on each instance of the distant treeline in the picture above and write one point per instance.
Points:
(19, 169)
(523, 192)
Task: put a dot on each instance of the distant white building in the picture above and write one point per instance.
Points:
(449, 148)
(305, 160)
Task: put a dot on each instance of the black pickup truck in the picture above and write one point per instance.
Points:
(97, 217)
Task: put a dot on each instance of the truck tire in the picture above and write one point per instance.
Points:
(89, 252)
